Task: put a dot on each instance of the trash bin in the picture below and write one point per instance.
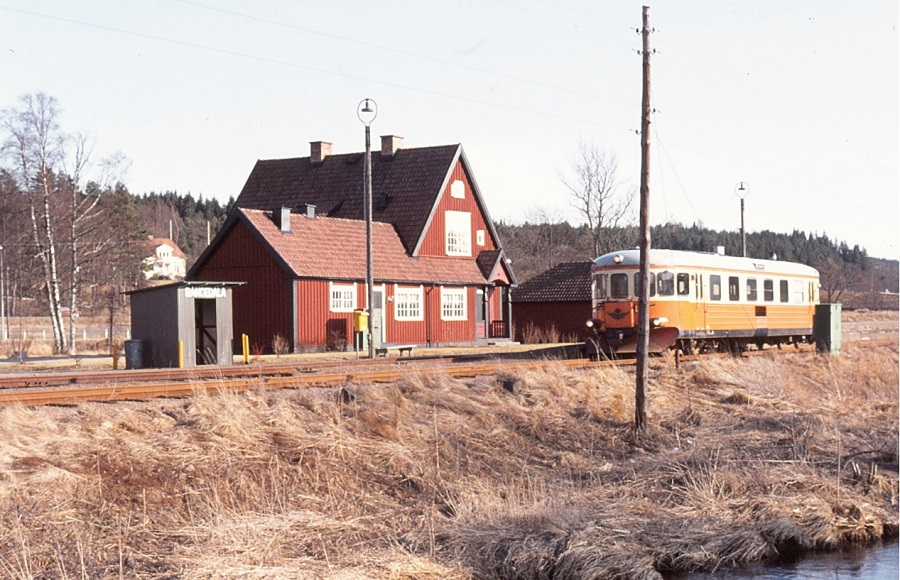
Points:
(134, 354)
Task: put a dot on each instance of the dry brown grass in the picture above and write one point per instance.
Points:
(524, 475)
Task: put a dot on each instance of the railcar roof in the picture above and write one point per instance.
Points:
(682, 259)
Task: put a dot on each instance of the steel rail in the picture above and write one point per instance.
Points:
(72, 395)
(286, 377)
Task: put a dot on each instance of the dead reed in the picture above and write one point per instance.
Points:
(524, 475)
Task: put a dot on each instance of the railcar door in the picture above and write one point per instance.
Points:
(701, 306)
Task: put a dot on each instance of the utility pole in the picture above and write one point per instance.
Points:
(643, 334)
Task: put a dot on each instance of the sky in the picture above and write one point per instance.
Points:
(798, 99)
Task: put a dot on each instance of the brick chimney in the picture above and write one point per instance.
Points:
(318, 151)
(390, 144)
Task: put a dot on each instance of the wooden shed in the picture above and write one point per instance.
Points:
(182, 324)
(554, 305)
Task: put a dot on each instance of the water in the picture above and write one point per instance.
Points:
(873, 563)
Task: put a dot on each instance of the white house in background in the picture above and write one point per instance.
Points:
(166, 260)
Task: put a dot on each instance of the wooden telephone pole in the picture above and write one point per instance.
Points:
(643, 335)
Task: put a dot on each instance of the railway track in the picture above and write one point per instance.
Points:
(73, 388)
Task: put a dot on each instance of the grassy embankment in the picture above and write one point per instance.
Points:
(745, 460)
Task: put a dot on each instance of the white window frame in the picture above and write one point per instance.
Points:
(408, 303)
(458, 233)
(345, 301)
(458, 189)
(479, 237)
(454, 303)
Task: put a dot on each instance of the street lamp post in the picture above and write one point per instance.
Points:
(367, 110)
(742, 190)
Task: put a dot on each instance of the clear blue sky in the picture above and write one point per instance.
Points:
(799, 98)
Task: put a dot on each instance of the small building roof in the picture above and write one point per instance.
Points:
(566, 282)
(335, 249)
(153, 242)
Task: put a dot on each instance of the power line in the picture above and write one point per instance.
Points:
(403, 52)
(279, 62)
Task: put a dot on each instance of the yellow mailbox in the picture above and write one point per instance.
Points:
(360, 320)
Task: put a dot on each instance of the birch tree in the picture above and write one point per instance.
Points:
(48, 166)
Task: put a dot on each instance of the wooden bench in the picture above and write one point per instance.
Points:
(400, 348)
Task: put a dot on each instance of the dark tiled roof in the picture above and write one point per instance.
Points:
(404, 188)
(567, 282)
(487, 260)
(332, 248)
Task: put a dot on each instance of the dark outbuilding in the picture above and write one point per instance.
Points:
(554, 305)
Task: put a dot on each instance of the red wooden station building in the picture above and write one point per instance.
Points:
(296, 238)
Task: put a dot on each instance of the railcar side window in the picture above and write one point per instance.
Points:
(665, 283)
(683, 283)
(768, 290)
(751, 289)
(734, 288)
(799, 292)
(600, 287)
(783, 290)
(715, 287)
(618, 286)
(637, 284)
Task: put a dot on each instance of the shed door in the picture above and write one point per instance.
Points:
(206, 332)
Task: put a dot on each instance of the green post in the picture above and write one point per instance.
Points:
(827, 328)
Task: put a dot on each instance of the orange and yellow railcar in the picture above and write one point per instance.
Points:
(701, 302)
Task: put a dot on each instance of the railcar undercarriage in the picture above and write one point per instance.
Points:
(623, 342)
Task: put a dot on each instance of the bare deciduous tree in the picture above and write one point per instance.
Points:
(598, 196)
(48, 166)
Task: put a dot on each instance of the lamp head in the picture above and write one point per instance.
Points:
(367, 110)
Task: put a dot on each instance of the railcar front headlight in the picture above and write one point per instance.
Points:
(656, 322)
(589, 324)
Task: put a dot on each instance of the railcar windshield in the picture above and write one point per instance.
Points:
(600, 287)
(618, 286)
(637, 284)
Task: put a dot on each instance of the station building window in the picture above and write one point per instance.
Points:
(408, 303)
(453, 304)
(343, 297)
(458, 229)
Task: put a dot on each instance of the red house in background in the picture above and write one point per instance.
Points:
(297, 239)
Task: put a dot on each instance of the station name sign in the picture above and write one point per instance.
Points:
(204, 292)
